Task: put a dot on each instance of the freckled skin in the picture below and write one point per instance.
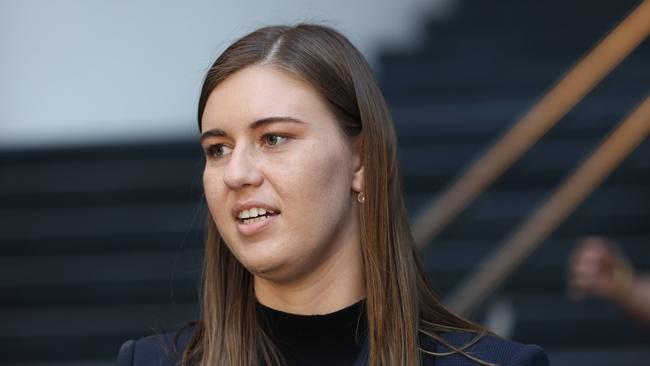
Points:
(312, 177)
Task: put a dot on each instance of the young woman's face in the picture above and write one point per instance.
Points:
(275, 152)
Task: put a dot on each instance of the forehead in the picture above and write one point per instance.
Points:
(260, 91)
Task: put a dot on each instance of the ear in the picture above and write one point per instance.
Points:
(357, 164)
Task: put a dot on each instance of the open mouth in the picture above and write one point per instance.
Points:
(254, 215)
(252, 220)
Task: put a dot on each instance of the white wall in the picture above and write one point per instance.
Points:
(92, 71)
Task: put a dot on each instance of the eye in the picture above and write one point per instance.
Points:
(271, 139)
(218, 151)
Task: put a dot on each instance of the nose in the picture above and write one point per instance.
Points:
(241, 170)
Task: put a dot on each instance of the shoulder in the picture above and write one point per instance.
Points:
(160, 349)
(487, 348)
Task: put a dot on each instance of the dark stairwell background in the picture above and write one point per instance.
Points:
(101, 244)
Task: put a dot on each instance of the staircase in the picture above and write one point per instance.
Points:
(100, 244)
(477, 73)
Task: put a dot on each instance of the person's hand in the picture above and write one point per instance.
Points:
(598, 268)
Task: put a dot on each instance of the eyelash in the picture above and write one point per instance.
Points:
(211, 151)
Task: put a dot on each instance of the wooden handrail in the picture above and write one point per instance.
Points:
(566, 93)
(491, 273)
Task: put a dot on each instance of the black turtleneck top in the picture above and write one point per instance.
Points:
(333, 339)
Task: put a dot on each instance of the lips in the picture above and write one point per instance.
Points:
(252, 228)
(253, 216)
(248, 205)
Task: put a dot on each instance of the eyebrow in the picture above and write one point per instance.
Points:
(215, 132)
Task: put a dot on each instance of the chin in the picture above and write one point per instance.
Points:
(274, 271)
(268, 259)
(264, 266)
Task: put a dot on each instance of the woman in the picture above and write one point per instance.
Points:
(309, 259)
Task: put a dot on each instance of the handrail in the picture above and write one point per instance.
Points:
(620, 143)
(572, 88)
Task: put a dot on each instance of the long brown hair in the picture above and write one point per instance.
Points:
(400, 304)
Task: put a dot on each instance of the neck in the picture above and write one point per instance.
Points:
(337, 283)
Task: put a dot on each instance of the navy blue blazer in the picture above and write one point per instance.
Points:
(158, 351)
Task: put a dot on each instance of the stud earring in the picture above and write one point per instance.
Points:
(361, 197)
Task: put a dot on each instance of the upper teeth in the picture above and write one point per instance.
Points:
(253, 212)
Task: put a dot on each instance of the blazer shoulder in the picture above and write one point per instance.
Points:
(490, 349)
(160, 349)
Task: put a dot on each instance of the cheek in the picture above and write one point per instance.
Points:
(317, 178)
(214, 194)
(209, 184)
